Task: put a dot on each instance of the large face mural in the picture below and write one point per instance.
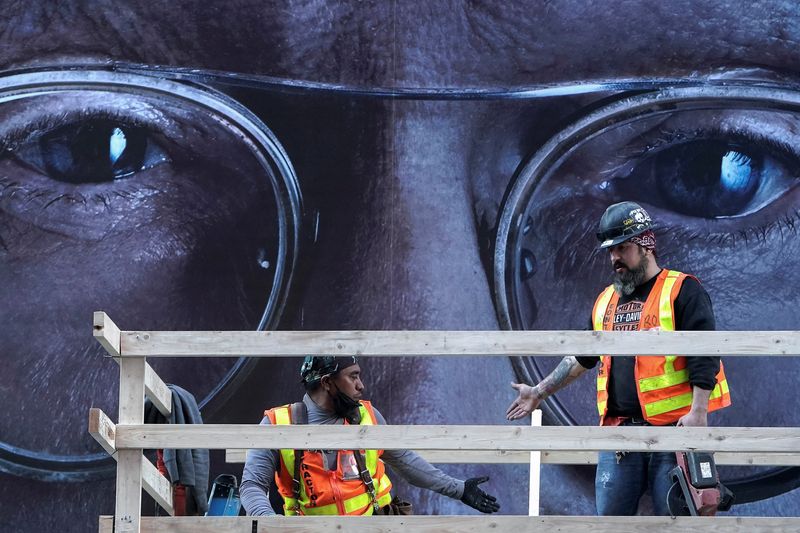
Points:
(318, 165)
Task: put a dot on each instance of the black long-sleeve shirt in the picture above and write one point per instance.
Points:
(693, 312)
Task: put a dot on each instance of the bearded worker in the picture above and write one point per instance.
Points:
(341, 482)
(640, 390)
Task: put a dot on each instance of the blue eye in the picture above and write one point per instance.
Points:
(710, 178)
(91, 151)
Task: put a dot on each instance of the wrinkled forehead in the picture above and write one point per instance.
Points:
(409, 44)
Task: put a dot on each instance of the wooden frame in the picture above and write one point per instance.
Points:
(559, 457)
(461, 524)
(511, 443)
(453, 343)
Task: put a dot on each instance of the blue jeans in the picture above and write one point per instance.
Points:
(618, 487)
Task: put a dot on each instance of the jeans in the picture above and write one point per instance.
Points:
(619, 486)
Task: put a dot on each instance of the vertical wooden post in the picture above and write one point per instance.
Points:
(128, 511)
(536, 466)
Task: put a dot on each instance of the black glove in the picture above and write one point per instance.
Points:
(476, 498)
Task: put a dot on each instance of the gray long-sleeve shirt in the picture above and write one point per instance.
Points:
(260, 467)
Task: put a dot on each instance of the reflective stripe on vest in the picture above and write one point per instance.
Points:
(663, 387)
(360, 504)
(598, 316)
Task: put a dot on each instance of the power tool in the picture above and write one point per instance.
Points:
(696, 490)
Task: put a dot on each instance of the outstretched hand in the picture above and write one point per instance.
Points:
(476, 498)
(526, 402)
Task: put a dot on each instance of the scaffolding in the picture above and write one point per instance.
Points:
(534, 445)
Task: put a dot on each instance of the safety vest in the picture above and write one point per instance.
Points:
(662, 381)
(330, 492)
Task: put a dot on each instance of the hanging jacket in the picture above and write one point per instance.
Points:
(329, 492)
(187, 467)
(662, 381)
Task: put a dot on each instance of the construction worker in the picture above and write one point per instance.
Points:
(654, 390)
(360, 485)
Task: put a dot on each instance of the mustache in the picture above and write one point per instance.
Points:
(620, 264)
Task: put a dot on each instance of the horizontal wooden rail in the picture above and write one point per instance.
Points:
(454, 343)
(439, 343)
(239, 455)
(517, 438)
(446, 524)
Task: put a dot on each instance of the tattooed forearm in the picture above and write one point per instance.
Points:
(565, 373)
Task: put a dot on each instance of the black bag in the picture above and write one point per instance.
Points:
(397, 507)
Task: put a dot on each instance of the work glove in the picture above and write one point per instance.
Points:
(476, 498)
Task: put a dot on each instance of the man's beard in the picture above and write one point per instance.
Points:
(626, 282)
(345, 407)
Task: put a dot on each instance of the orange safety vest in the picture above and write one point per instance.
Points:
(330, 492)
(662, 381)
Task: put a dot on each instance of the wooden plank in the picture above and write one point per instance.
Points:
(131, 390)
(157, 391)
(106, 333)
(238, 455)
(128, 507)
(721, 458)
(106, 524)
(520, 438)
(535, 470)
(156, 485)
(455, 343)
(102, 429)
(468, 524)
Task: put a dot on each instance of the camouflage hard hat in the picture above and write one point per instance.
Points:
(315, 367)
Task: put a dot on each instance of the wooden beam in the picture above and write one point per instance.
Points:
(519, 438)
(156, 485)
(106, 524)
(534, 470)
(106, 333)
(102, 429)
(721, 458)
(128, 506)
(157, 391)
(238, 455)
(446, 524)
(455, 343)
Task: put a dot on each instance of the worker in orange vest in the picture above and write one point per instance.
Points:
(341, 482)
(639, 390)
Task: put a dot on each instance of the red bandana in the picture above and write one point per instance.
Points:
(646, 239)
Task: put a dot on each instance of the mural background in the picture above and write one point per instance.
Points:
(406, 127)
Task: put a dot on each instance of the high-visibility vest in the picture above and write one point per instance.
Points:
(662, 381)
(327, 492)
